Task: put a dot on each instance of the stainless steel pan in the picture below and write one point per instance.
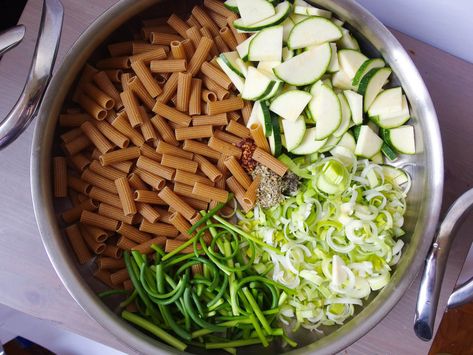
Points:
(426, 169)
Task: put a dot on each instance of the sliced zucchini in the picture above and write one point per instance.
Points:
(268, 66)
(231, 5)
(257, 85)
(341, 80)
(368, 142)
(244, 46)
(231, 60)
(290, 104)
(287, 27)
(388, 152)
(236, 79)
(275, 143)
(268, 125)
(350, 61)
(394, 120)
(348, 41)
(331, 143)
(346, 116)
(371, 85)
(346, 156)
(313, 31)
(393, 174)
(267, 45)
(334, 65)
(261, 114)
(402, 139)
(275, 91)
(309, 144)
(311, 11)
(305, 68)
(377, 158)
(347, 141)
(296, 18)
(253, 11)
(287, 54)
(283, 10)
(355, 102)
(387, 102)
(294, 132)
(326, 111)
(366, 67)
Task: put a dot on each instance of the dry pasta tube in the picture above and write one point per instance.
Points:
(209, 169)
(114, 63)
(164, 130)
(250, 194)
(221, 45)
(213, 193)
(135, 85)
(166, 148)
(201, 148)
(165, 229)
(216, 75)
(140, 47)
(239, 37)
(102, 195)
(119, 49)
(227, 137)
(106, 171)
(200, 55)
(112, 134)
(107, 263)
(172, 244)
(94, 246)
(231, 104)
(194, 132)
(187, 178)
(186, 190)
(149, 152)
(184, 83)
(124, 166)
(172, 161)
(131, 108)
(98, 234)
(168, 89)
(98, 180)
(152, 180)
(78, 244)
(60, 176)
(220, 20)
(114, 74)
(214, 87)
(96, 137)
(178, 51)
(204, 19)
(194, 35)
(194, 99)
(177, 203)
(118, 277)
(91, 107)
(146, 196)
(156, 54)
(163, 38)
(169, 65)
(145, 76)
(224, 147)
(126, 196)
(132, 233)
(191, 21)
(228, 38)
(126, 244)
(78, 185)
(113, 251)
(238, 129)
(147, 129)
(180, 223)
(155, 168)
(148, 212)
(209, 96)
(178, 24)
(105, 84)
(120, 155)
(114, 213)
(206, 33)
(172, 114)
(122, 124)
(145, 248)
(97, 220)
(71, 135)
(215, 120)
(218, 7)
(188, 48)
(269, 161)
(73, 214)
(246, 111)
(100, 97)
(238, 172)
(257, 133)
(239, 193)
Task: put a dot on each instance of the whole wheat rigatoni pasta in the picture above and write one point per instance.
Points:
(60, 176)
(269, 161)
(98, 180)
(166, 148)
(73, 214)
(147, 129)
(71, 134)
(140, 47)
(156, 54)
(178, 24)
(200, 55)
(119, 155)
(126, 196)
(231, 104)
(114, 63)
(234, 115)
(204, 19)
(79, 161)
(114, 213)
(250, 194)
(178, 51)
(167, 230)
(112, 134)
(107, 263)
(125, 243)
(181, 224)
(172, 114)
(164, 130)
(147, 196)
(96, 137)
(227, 137)
(221, 45)
(120, 48)
(200, 148)
(206, 33)
(194, 98)
(102, 195)
(91, 107)
(106, 171)
(163, 38)
(136, 86)
(78, 244)
(97, 220)
(209, 96)
(144, 74)
(155, 168)
(246, 111)
(131, 108)
(148, 212)
(194, 132)
(191, 21)
(105, 84)
(156, 182)
(132, 233)
(73, 119)
(175, 162)
(114, 74)
(100, 97)
(172, 244)
(185, 190)
(97, 233)
(239, 193)
(257, 133)
(237, 129)
(228, 38)
(194, 35)
(168, 65)
(78, 185)
(237, 171)
(220, 20)
(149, 152)
(213, 193)
(214, 87)
(218, 7)
(177, 203)
(184, 83)
(122, 124)
(188, 178)
(95, 246)
(216, 75)
(209, 169)
(113, 251)
(224, 147)
(145, 248)
(188, 48)
(214, 120)
(124, 78)
(117, 277)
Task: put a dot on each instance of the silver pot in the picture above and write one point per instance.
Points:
(426, 169)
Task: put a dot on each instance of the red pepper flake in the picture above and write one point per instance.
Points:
(247, 146)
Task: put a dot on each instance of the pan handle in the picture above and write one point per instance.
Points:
(435, 265)
(40, 73)
(11, 38)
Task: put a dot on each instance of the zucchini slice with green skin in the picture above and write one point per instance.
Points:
(294, 132)
(309, 144)
(334, 65)
(346, 116)
(371, 85)
(368, 142)
(283, 10)
(388, 101)
(366, 67)
(260, 114)
(244, 46)
(326, 111)
(305, 68)
(313, 31)
(231, 5)
(347, 141)
(275, 91)
(230, 59)
(311, 11)
(257, 85)
(266, 45)
(347, 41)
(331, 143)
(290, 104)
(237, 80)
(393, 174)
(287, 27)
(268, 125)
(341, 80)
(395, 119)
(402, 139)
(355, 102)
(275, 143)
(350, 61)
(253, 11)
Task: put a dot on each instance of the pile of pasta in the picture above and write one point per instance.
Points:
(153, 140)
